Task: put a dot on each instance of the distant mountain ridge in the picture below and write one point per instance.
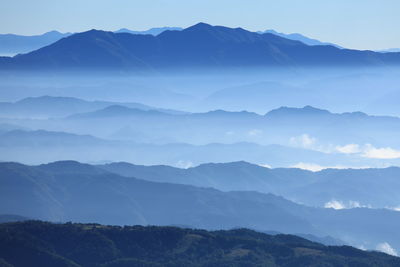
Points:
(52, 106)
(299, 37)
(362, 187)
(199, 46)
(12, 44)
(17, 44)
(71, 191)
(152, 31)
(289, 122)
(302, 128)
(21, 145)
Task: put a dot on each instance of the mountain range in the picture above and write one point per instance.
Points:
(12, 44)
(152, 31)
(51, 107)
(340, 188)
(199, 46)
(33, 147)
(299, 37)
(70, 191)
(344, 188)
(279, 126)
(365, 140)
(39, 244)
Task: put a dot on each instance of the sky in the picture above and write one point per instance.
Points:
(358, 24)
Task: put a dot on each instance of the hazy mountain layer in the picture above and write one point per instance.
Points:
(336, 188)
(347, 133)
(11, 44)
(50, 107)
(35, 147)
(299, 37)
(69, 191)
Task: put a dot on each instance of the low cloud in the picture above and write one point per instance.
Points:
(366, 151)
(380, 153)
(265, 166)
(184, 164)
(394, 208)
(349, 149)
(339, 205)
(304, 141)
(385, 247)
(316, 167)
(369, 151)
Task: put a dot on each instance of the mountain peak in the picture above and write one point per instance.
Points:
(201, 45)
(69, 166)
(92, 32)
(200, 25)
(306, 110)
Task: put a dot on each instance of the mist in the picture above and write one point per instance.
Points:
(259, 115)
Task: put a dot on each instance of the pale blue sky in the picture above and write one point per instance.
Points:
(362, 24)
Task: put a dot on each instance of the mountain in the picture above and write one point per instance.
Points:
(282, 126)
(71, 191)
(306, 127)
(344, 188)
(34, 147)
(16, 138)
(51, 106)
(25, 244)
(299, 37)
(11, 44)
(199, 46)
(7, 127)
(117, 111)
(152, 31)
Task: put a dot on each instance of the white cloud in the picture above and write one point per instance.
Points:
(362, 247)
(316, 168)
(339, 205)
(334, 204)
(184, 164)
(309, 166)
(303, 140)
(380, 153)
(369, 151)
(265, 166)
(386, 248)
(394, 208)
(349, 149)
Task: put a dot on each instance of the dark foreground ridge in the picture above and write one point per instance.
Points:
(35, 243)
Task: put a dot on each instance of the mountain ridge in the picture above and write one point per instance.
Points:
(198, 46)
(71, 191)
(76, 244)
(300, 37)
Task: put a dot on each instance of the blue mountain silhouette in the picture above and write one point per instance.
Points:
(199, 46)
